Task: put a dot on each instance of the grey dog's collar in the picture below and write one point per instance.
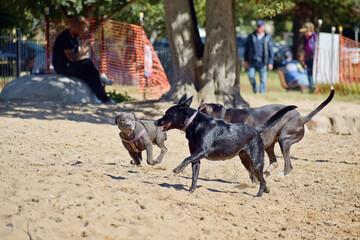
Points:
(134, 140)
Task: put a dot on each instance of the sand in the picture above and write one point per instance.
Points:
(65, 175)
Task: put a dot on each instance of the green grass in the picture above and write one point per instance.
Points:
(275, 93)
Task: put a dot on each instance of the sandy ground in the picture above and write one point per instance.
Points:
(65, 175)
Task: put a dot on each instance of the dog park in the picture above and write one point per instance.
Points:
(65, 173)
(169, 149)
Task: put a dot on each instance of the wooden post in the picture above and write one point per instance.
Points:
(47, 34)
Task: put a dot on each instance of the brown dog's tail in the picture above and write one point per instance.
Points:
(320, 107)
(271, 122)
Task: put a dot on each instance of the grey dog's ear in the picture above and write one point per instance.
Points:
(134, 116)
(182, 99)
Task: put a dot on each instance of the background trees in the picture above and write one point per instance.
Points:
(209, 71)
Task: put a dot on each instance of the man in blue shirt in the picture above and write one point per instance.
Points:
(294, 73)
(259, 56)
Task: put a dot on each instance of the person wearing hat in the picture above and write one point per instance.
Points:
(310, 40)
(295, 74)
(259, 56)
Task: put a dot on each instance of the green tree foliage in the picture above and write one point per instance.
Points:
(23, 14)
(27, 14)
(154, 16)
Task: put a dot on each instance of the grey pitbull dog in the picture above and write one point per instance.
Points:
(139, 135)
(287, 131)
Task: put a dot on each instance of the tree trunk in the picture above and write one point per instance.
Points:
(214, 76)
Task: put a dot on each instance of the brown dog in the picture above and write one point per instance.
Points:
(287, 131)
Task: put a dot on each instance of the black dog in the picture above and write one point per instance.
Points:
(215, 139)
(287, 131)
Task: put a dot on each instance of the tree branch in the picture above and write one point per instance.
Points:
(88, 12)
(198, 43)
(63, 13)
(121, 10)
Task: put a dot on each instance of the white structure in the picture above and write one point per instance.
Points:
(326, 60)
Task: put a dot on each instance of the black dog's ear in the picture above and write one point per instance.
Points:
(187, 103)
(202, 106)
(182, 99)
(134, 116)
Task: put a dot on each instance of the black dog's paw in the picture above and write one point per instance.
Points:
(178, 169)
(253, 178)
(192, 189)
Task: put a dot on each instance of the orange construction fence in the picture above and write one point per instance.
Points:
(349, 68)
(123, 52)
(337, 63)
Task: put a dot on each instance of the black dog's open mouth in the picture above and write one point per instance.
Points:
(166, 126)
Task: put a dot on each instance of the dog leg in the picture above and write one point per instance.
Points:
(285, 149)
(195, 174)
(253, 160)
(194, 157)
(162, 153)
(273, 162)
(136, 158)
(263, 187)
(246, 161)
(149, 154)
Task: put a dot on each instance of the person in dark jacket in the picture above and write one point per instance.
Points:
(259, 56)
(72, 59)
(310, 41)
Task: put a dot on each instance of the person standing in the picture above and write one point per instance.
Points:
(259, 56)
(72, 59)
(310, 41)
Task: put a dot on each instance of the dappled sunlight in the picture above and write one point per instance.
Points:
(183, 38)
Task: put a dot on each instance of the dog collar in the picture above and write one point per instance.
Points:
(134, 140)
(189, 121)
(223, 112)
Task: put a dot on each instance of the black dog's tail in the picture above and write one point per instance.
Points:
(271, 122)
(320, 107)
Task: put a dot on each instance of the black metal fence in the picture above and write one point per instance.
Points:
(20, 56)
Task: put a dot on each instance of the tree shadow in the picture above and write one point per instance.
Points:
(79, 112)
(212, 180)
(219, 191)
